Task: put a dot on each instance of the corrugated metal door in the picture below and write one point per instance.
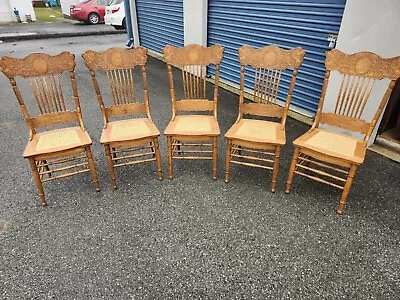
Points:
(160, 23)
(5, 11)
(287, 24)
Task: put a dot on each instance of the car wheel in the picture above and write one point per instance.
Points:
(93, 18)
(118, 27)
(123, 24)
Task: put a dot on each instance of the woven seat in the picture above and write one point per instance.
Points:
(57, 140)
(257, 131)
(193, 125)
(330, 157)
(138, 133)
(188, 135)
(126, 130)
(333, 144)
(52, 153)
(257, 142)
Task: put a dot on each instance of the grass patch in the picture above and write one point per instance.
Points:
(53, 15)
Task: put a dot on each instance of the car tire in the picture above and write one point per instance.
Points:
(93, 18)
(123, 24)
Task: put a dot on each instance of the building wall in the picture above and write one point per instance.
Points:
(195, 21)
(134, 24)
(6, 14)
(24, 8)
(160, 23)
(368, 26)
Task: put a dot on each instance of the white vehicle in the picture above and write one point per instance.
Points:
(115, 14)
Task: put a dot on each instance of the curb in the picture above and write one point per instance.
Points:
(8, 39)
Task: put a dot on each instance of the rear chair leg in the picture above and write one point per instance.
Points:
(169, 142)
(47, 168)
(228, 159)
(40, 165)
(158, 158)
(152, 145)
(292, 168)
(92, 168)
(346, 190)
(276, 169)
(110, 166)
(215, 157)
(178, 147)
(239, 149)
(38, 182)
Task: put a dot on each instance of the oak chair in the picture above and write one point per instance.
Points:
(53, 152)
(330, 157)
(253, 134)
(132, 130)
(194, 126)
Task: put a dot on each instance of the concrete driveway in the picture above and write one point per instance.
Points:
(190, 237)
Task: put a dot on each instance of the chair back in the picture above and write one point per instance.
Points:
(43, 72)
(359, 72)
(265, 66)
(121, 68)
(193, 61)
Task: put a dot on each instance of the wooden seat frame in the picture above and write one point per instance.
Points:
(43, 72)
(359, 72)
(119, 65)
(187, 143)
(268, 63)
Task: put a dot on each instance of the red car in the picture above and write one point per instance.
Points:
(89, 11)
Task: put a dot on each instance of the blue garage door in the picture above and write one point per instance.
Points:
(160, 23)
(287, 24)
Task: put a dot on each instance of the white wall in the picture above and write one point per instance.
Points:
(6, 14)
(368, 25)
(134, 24)
(195, 22)
(24, 7)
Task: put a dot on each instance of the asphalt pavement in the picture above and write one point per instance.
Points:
(190, 237)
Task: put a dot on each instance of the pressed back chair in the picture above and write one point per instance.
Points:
(253, 141)
(137, 134)
(52, 153)
(194, 126)
(330, 157)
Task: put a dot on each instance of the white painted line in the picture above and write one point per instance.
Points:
(13, 34)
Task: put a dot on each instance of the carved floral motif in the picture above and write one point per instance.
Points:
(37, 64)
(365, 64)
(193, 55)
(115, 58)
(271, 57)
